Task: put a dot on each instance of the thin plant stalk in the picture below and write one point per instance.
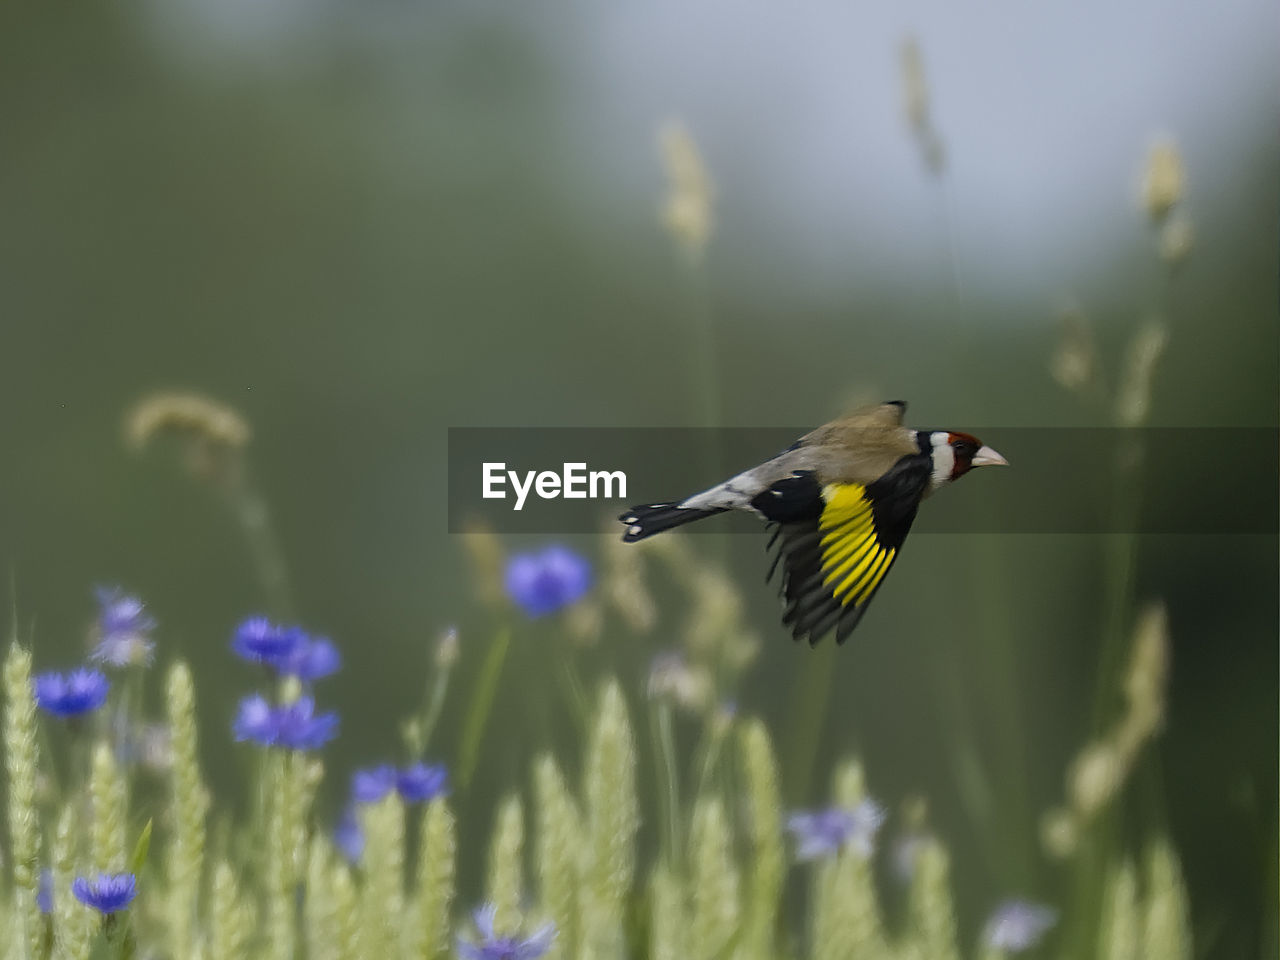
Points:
(433, 706)
(811, 692)
(481, 706)
(254, 518)
(664, 747)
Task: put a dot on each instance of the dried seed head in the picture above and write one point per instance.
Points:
(189, 414)
(716, 615)
(915, 89)
(672, 677)
(1176, 239)
(1095, 776)
(915, 104)
(584, 622)
(686, 211)
(625, 585)
(1164, 181)
(1148, 669)
(1134, 401)
(487, 558)
(1072, 363)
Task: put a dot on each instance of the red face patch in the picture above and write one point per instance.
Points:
(964, 446)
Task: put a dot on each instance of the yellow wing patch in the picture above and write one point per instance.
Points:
(854, 561)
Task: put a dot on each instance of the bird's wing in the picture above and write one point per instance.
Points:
(877, 416)
(861, 447)
(888, 414)
(835, 544)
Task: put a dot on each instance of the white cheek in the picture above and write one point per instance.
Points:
(944, 461)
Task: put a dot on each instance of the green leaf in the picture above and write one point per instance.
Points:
(140, 850)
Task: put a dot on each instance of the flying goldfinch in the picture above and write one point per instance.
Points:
(840, 501)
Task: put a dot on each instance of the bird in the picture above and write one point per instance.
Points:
(839, 502)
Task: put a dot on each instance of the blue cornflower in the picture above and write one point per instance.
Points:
(123, 629)
(258, 640)
(422, 782)
(544, 582)
(109, 893)
(255, 720)
(348, 837)
(310, 659)
(71, 694)
(44, 892)
(1018, 925)
(299, 727)
(493, 947)
(295, 725)
(373, 783)
(824, 832)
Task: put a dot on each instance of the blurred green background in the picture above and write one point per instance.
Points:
(360, 224)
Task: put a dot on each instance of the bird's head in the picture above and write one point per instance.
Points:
(954, 454)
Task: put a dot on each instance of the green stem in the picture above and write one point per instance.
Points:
(999, 644)
(972, 782)
(433, 706)
(1096, 851)
(481, 706)
(51, 768)
(1016, 826)
(118, 930)
(575, 693)
(709, 750)
(251, 512)
(665, 750)
(705, 377)
(809, 706)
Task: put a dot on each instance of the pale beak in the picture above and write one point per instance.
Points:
(986, 457)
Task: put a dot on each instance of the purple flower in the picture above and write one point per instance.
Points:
(299, 727)
(258, 640)
(493, 947)
(287, 649)
(71, 694)
(542, 583)
(422, 782)
(123, 629)
(294, 725)
(348, 837)
(1018, 925)
(310, 659)
(372, 783)
(823, 833)
(255, 720)
(109, 893)
(44, 892)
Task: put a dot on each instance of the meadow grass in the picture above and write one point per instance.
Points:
(563, 873)
(731, 874)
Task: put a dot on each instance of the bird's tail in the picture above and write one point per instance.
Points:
(650, 518)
